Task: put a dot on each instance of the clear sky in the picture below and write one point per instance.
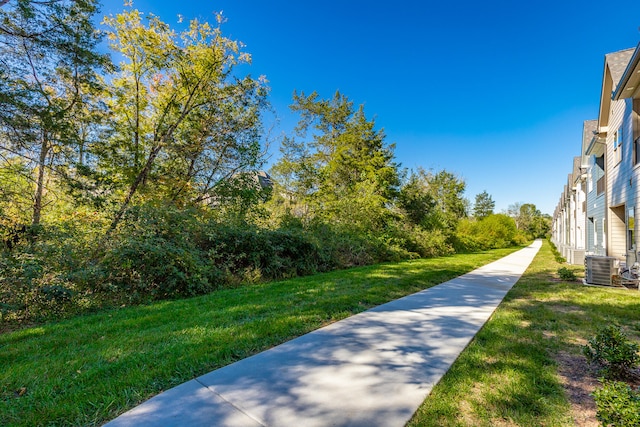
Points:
(494, 91)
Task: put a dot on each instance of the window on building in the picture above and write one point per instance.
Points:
(600, 185)
(617, 146)
(631, 225)
(635, 119)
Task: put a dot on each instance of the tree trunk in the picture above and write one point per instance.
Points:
(142, 176)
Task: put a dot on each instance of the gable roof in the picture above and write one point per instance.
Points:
(630, 80)
(615, 65)
(577, 170)
(618, 62)
(590, 142)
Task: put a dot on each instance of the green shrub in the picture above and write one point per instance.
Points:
(257, 254)
(612, 352)
(497, 231)
(431, 243)
(343, 248)
(153, 267)
(154, 255)
(566, 274)
(559, 258)
(493, 232)
(617, 405)
(37, 274)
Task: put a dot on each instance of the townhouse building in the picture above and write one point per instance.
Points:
(597, 210)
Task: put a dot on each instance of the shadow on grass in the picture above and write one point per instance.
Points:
(86, 370)
(509, 373)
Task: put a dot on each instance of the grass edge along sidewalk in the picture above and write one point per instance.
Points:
(87, 370)
(525, 366)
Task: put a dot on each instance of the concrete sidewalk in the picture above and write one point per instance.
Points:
(372, 369)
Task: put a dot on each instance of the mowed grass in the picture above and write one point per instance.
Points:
(508, 375)
(87, 370)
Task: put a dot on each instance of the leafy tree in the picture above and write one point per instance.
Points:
(448, 192)
(48, 70)
(182, 122)
(415, 200)
(337, 165)
(530, 220)
(493, 231)
(483, 206)
(435, 201)
(497, 231)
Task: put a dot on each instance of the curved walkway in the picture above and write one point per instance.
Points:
(372, 369)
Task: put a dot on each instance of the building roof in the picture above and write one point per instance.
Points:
(630, 80)
(589, 128)
(618, 62)
(589, 140)
(577, 172)
(264, 179)
(614, 66)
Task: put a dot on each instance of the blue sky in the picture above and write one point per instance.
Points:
(494, 91)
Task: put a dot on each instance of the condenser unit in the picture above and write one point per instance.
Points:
(601, 269)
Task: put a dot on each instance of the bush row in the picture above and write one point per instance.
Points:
(494, 231)
(162, 252)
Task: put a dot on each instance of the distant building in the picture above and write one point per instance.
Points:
(593, 164)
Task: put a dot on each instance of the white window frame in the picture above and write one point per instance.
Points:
(617, 146)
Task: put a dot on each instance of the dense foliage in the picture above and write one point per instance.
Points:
(612, 352)
(126, 183)
(618, 405)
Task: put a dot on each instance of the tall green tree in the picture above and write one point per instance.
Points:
(433, 200)
(48, 69)
(530, 220)
(483, 206)
(448, 192)
(182, 121)
(415, 198)
(338, 164)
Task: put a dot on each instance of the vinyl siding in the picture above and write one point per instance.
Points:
(580, 216)
(595, 210)
(617, 231)
(619, 173)
(622, 181)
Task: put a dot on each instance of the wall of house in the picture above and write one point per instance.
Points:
(595, 244)
(617, 231)
(623, 192)
(580, 215)
(633, 120)
(619, 173)
(578, 247)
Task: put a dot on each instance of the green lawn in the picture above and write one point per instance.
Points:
(508, 375)
(87, 370)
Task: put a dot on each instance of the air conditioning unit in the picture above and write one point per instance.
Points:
(601, 269)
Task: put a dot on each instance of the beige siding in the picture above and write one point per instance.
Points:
(617, 227)
(618, 173)
(622, 178)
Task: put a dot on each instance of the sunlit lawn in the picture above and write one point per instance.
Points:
(87, 370)
(508, 374)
